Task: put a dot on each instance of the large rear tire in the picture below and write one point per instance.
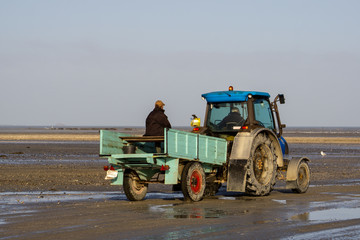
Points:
(193, 182)
(303, 178)
(261, 167)
(134, 190)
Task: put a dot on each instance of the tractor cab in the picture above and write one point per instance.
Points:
(229, 112)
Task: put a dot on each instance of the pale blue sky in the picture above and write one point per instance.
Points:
(106, 62)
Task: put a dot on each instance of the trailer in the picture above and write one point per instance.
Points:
(186, 158)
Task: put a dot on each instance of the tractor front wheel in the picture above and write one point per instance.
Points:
(193, 182)
(303, 178)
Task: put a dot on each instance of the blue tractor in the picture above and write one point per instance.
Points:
(257, 151)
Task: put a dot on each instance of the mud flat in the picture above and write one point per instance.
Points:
(96, 137)
(325, 212)
(52, 187)
(342, 140)
(49, 137)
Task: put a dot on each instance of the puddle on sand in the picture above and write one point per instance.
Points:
(341, 208)
(279, 201)
(352, 232)
(345, 182)
(15, 204)
(187, 233)
(12, 211)
(329, 215)
(171, 211)
(7, 198)
(338, 214)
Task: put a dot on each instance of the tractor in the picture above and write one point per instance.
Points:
(240, 145)
(251, 125)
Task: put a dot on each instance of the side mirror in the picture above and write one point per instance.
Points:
(195, 121)
(281, 98)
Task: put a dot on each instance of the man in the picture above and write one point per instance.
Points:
(233, 117)
(156, 121)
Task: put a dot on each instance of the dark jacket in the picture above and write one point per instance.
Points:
(156, 122)
(233, 117)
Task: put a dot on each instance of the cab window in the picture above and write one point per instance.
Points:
(263, 113)
(226, 116)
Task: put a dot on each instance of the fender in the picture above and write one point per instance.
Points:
(243, 141)
(240, 152)
(292, 171)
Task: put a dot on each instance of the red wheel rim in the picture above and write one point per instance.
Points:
(195, 182)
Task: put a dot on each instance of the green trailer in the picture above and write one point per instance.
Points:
(186, 160)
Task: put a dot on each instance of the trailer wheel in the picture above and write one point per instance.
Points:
(134, 190)
(261, 167)
(211, 189)
(193, 181)
(303, 178)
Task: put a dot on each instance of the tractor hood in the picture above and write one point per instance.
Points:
(232, 96)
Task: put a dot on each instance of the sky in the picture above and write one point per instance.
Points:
(105, 63)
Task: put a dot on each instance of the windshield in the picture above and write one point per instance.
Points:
(226, 116)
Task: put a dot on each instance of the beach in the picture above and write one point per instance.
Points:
(59, 177)
(68, 159)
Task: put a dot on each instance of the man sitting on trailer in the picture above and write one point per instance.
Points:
(156, 121)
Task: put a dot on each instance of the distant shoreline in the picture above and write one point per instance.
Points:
(96, 137)
(333, 140)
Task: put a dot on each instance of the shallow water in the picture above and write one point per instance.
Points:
(338, 214)
(52, 161)
(348, 233)
(350, 201)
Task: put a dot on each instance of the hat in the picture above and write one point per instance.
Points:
(159, 103)
(235, 109)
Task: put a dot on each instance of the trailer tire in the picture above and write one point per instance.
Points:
(193, 182)
(134, 190)
(303, 178)
(261, 166)
(211, 189)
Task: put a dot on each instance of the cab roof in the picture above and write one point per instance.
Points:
(232, 96)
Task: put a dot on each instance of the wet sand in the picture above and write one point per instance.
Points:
(94, 137)
(53, 187)
(282, 215)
